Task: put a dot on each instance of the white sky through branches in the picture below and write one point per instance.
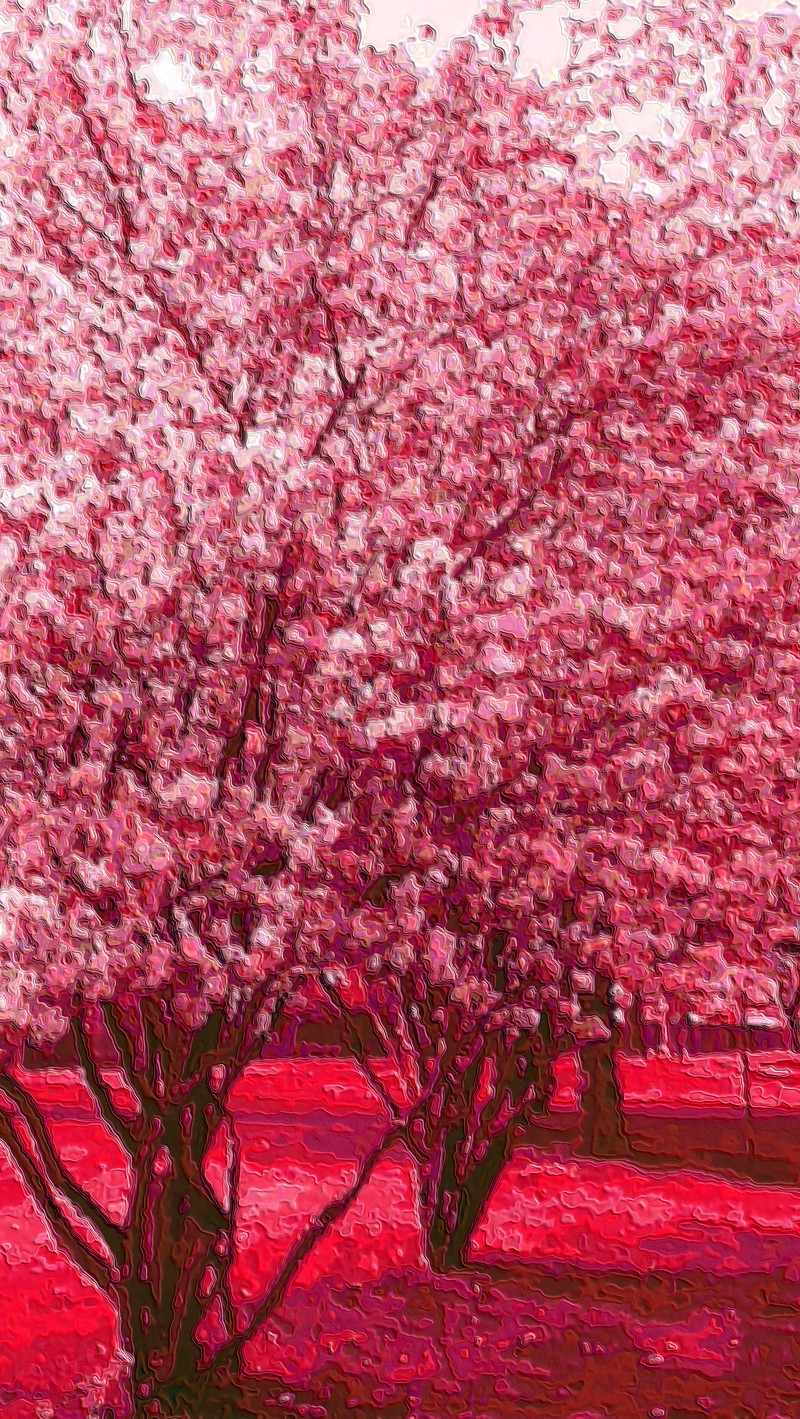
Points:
(427, 28)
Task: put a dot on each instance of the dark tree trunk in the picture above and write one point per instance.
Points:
(458, 1202)
(172, 1254)
(466, 1154)
(603, 1133)
(177, 1245)
(201, 1396)
(463, 1155)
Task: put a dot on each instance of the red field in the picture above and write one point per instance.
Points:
(675, 1287)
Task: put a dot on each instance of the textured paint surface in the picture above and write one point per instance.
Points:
(399, 710)
(609, 1271)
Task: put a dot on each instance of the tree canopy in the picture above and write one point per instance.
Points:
(398, 520)
(398, 575)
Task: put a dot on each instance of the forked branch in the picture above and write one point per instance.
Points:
(46, 1196)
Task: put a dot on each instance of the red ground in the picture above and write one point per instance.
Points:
(676, 1288)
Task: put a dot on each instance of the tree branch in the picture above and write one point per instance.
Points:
(127, 1056)
(500, 528)
(154, 1064)
(348, 387)
(126, 1134)
(56, 1175)
(314, 1233)
(357, 1046)
(222, 1264)
(167, 316)
(400, 1131)
(252, 1040)
(204, 1104)
(251, 710)
(45, 1197)
(347, 395)
(419, 212)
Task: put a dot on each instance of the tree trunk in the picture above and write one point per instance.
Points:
(602, 1132)
(176, 1248)
(466, 1155)
(179, 1236)
(166, 1266)
(200, 1397)
(458, 1203)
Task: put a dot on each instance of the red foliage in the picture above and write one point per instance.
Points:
(398, 539)
(398, 525)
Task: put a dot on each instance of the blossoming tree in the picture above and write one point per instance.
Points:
(398, 533)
